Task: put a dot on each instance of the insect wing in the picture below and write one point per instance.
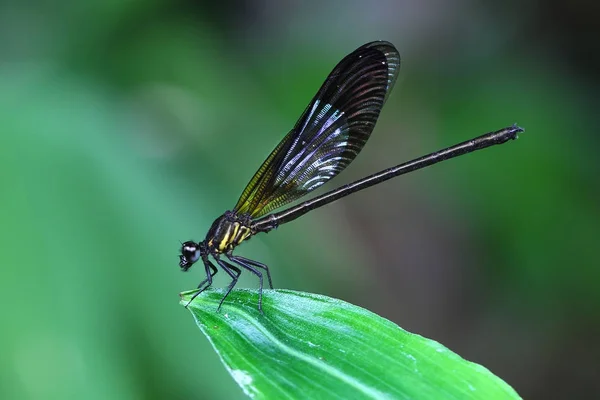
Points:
(330, 133)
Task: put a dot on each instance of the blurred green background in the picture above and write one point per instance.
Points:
(127, 127)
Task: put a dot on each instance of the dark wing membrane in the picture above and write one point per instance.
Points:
(330, 133)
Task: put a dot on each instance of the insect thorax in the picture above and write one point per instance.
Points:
(228, 231)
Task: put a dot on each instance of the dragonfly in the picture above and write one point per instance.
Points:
(332, 130)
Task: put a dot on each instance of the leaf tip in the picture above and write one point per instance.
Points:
(186, 297)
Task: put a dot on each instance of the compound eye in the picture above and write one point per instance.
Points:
(190, 253)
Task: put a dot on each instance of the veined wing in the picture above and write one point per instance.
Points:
(330, 133)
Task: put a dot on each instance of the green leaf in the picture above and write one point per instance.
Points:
(307, 346)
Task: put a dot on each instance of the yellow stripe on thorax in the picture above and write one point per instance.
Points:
(226, 240)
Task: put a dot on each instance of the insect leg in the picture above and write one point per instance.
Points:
(234, 272)
(242, 262)
(209, 275)
(245, 260)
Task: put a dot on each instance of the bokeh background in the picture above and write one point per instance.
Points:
(127, 127)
